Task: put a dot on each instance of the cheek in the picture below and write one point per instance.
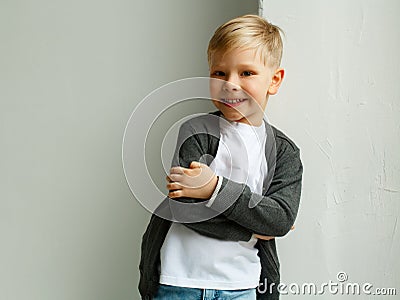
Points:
(252, 90)
(215, 87)
(258, 90)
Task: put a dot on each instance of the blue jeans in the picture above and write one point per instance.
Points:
(169, 292)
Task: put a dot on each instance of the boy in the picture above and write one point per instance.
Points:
(249, 183)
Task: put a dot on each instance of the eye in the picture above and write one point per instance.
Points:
(218, 74)
(247, 73)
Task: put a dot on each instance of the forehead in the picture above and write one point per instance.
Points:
(242, 56)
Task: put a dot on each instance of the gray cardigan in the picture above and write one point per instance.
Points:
(236, 212)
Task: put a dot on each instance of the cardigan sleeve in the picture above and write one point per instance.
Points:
(275, 211)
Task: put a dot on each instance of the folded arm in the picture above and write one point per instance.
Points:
(276, 210)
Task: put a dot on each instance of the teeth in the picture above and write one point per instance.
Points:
(233, 101)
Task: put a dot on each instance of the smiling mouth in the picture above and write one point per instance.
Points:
(232, 101)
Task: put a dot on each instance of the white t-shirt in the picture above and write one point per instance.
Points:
(189, 259)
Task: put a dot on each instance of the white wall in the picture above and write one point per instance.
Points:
(340, 102)
(71, 73)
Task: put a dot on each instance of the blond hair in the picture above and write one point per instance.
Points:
(248, 31)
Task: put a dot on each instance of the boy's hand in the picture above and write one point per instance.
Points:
(197, 181)
(267, 237)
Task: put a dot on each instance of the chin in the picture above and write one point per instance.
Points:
(232, 116)
(229, 113)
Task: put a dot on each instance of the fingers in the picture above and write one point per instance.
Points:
(174, 186)
(190, 182)
(195, 169)
(175, 194)
(181, 175)
(176, 173)
(177, 170)
(174, 177)
(195, 164)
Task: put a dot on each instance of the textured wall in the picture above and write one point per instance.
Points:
(340, 102)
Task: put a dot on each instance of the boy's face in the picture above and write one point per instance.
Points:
(246, 82)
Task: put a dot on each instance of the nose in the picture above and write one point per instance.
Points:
(230, 85)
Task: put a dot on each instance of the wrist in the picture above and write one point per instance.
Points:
(211, 186)
(214, 182)
(215, 192)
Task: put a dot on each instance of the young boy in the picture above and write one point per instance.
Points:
(233, 167)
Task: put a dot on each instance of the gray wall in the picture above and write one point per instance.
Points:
(340, 102)
(71, 73)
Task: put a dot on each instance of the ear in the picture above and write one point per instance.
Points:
(276, 81)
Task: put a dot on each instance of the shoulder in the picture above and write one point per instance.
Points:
(288, 164)
(285, 146)
(207, 123)
(283, 140)
(197, 136)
